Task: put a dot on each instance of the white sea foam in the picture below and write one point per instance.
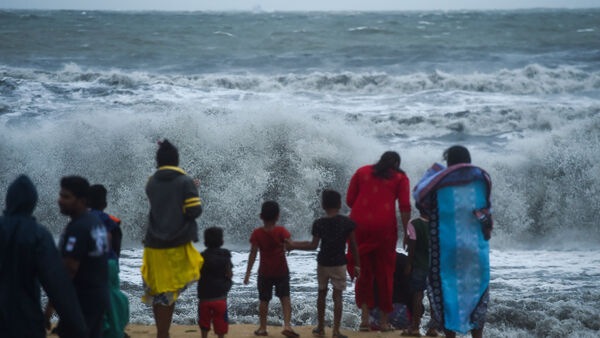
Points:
(541, 293)
(287, 136)
(223, 33)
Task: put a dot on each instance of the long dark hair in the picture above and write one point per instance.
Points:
(387, 164)
(457, 154)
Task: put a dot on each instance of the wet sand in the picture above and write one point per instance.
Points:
(245, 331)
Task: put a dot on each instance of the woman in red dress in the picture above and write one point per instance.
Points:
(372, 195)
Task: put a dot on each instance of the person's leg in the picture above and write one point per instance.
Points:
(263, 310)
(322, 284)
(417, 311)
(282, 291)
(431, 332)
(265, 292)
(338, 280)
(163, 314)
(364, 291)
(203, 318)
(385, 264)
(364, 316)
(449, 334)
(384, 324)
(94, 321)
(321, 299)
(432, 323)
(477, 333)
(220, 317)
(286, 306)
(382, 302)
(337, 310)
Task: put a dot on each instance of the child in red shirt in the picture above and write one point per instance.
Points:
(273, 270)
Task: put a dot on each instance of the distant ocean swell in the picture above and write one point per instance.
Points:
(533, 79)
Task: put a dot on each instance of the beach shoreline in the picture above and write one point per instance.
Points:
(244, 330)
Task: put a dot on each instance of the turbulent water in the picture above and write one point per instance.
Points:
(281, 105)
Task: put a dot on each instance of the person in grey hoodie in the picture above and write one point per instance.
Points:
(170, 262)
(28, 259)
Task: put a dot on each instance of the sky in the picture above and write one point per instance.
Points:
(290, 5)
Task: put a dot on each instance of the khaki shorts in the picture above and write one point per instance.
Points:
(335, 274)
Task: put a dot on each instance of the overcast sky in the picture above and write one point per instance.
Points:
(291, 5)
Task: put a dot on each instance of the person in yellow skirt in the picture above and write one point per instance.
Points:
(170, 263)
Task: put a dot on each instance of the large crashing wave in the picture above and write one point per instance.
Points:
(285, 137)
(549, 190)
(241, 158)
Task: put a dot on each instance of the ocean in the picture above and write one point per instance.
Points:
(274, 105)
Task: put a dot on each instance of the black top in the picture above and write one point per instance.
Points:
(401, 281)
(333, 232)
(85, 240)
(28, 258)
(421, 260)
(214, 282)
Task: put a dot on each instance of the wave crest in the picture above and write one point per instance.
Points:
(532, 79)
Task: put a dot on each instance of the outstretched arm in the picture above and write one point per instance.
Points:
(354, 250)
(405, 218)
(305, 245)
(404, 206)
(251, 259)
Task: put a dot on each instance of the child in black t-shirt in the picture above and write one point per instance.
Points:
(214, 284)
(333, 231)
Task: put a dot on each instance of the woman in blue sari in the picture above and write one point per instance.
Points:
(457, 201)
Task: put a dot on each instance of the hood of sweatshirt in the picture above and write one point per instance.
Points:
(21, 197)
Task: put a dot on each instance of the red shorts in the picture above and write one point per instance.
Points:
(215, 311)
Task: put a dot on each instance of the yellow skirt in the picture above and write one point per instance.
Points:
(168, 272)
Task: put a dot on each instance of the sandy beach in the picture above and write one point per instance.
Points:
(244, 331)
